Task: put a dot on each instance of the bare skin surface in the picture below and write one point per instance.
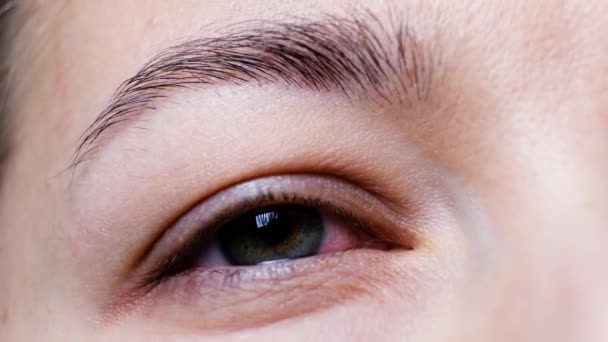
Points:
(479, 153)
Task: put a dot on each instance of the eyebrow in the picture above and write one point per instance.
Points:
(359, 56)
(6, 9)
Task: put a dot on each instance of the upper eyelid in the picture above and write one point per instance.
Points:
(187, 227)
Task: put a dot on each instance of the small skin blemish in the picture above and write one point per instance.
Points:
(152, 22)
(3, 317)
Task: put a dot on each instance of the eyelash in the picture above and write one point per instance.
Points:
(172, 267)
(264, 195)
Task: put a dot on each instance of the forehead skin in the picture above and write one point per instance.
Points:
(548, 48)
(519, 116)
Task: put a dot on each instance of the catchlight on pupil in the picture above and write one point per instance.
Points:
(272, 233)
(262, 220)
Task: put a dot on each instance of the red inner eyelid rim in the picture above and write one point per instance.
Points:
(340, 237)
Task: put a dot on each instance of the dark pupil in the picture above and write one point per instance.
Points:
(272, 233)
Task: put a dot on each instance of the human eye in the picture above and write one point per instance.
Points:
(309, 241)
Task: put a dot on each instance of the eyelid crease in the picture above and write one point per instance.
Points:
(357, 56)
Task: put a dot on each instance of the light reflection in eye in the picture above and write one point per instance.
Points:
(262, 220)
(272, 233)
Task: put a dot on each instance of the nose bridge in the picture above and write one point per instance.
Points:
(553, 214)
(547, 186)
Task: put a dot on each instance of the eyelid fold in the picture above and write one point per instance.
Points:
(360, 208)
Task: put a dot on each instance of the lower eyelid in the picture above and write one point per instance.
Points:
(232, 298)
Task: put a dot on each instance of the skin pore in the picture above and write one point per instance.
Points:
(469, 138)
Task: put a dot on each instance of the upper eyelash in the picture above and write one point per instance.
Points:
(263, 198)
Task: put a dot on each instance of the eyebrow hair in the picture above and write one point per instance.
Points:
(6, 8)
(358, 56)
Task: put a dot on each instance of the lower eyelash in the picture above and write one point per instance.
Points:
(237, 277)
(307, 284)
